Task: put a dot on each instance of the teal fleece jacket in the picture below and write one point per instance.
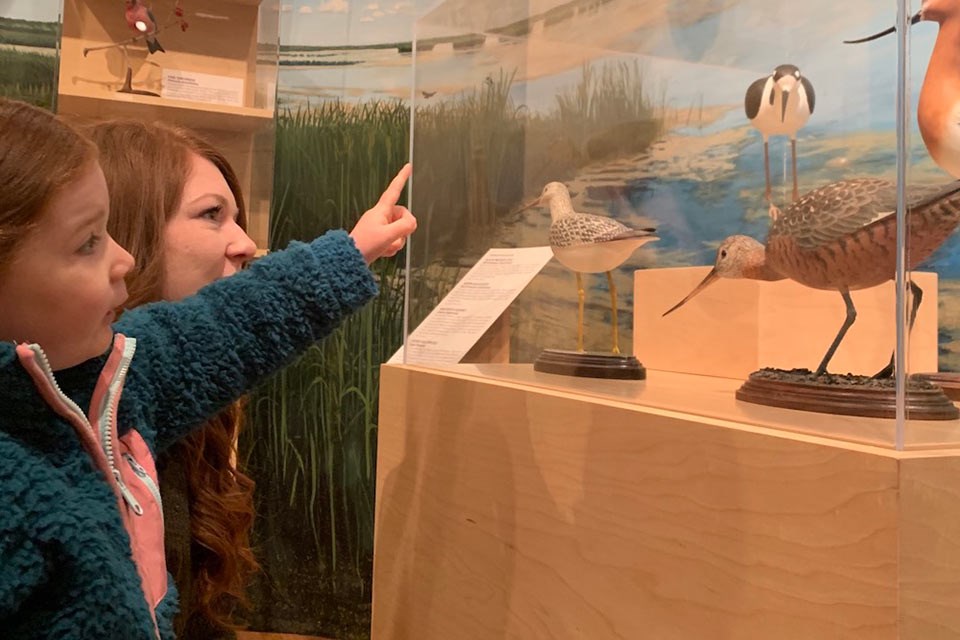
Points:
(81, 553)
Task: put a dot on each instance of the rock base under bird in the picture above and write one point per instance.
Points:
(590, 364)
(845, 394)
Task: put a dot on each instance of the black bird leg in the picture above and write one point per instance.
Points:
(847, 323)
(916, 295)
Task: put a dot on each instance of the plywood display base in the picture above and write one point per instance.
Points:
(512, 506)
(735, 327)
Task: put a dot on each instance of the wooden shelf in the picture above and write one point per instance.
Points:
(712, 398)
(223, 40)
(195, 115)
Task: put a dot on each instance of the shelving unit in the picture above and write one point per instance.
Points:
(231, 39)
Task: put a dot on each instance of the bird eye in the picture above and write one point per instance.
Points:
(723, 253)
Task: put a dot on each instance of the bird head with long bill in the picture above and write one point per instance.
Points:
(786, 77)
(737, 257)
(551, 191)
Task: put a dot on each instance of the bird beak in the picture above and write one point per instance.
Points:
(914, 20)
(786, 85)
(706, 282)
(529, 205)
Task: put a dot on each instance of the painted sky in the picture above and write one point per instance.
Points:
(43, 10)
(328, 22)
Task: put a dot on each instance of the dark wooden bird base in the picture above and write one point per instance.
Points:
(128, 86)
(845, 394)
(590, 364)
(946, 380)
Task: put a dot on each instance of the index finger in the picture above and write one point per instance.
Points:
(392, 194)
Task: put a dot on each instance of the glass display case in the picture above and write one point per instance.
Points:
(748, 207)
(208, 65)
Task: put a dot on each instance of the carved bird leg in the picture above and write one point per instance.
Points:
(766, 168)
(613, 310)
(847, 322)
(581, 296)
(796, 188)
(916, 295)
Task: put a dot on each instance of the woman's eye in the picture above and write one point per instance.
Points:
(213, 213)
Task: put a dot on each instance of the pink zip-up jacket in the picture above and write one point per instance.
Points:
(81, 524)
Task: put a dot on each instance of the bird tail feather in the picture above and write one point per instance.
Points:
(153, 45)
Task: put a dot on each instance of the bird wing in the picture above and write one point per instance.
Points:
(152, 19)
(585, 228)
(836, 210)
(751, 102)
(839, 209)
(808, 89)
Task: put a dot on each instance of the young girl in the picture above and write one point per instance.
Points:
(81, 536)
(177, 206)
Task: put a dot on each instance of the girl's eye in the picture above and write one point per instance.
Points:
(88, 247)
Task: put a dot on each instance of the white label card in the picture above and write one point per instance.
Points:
(202, 87)
(472, 306)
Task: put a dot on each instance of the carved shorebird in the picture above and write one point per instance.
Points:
(587, 243)
(938, 112)
(779, 105)
(842, 237)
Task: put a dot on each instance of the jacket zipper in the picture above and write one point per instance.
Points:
(108, 448)
(147, 481)
(105, 421)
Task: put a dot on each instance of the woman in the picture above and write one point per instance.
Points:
(177, 207)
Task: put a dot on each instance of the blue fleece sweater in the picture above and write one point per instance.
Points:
(66, 567)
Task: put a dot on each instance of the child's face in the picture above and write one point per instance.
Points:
(202, 241)
(62, 287)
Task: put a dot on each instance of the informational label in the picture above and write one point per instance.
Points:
(465, 314)
(202, 87)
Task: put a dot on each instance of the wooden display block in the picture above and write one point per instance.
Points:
(735, 327)
(509, 506)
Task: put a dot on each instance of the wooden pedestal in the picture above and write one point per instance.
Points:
(512, 504)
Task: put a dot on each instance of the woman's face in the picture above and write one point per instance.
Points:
(202, 241)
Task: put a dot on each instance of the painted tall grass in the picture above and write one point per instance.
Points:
(311, 443)
(30, 77)
(312, 446)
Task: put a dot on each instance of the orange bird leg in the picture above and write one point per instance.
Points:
(613, 313)
(581, 296)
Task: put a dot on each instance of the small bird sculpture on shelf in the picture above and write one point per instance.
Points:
(141, 20)
(938, 111)
(587, 243)
(780, 105)
(842, 237)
